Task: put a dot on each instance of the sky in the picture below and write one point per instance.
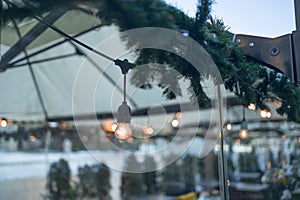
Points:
(266, 18)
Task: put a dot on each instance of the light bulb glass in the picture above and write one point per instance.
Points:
(123, 131)
(277, 103)
(265, 114)
(109, 126)
(114, 127)
(130, 140)
(147, 130)
(3, 123)
(244, 134)
(175, 123)
(252, 106)
(228, 127)
(179, 115)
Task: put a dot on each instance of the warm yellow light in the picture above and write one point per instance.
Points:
(265, 113)
(269, 165)
(175, 123)
(252, 106)
(179, 115)
(277, 103)
(63, 125)
(4, 123)
(243, 133)
(228, 127)
(147, 130)
(32, 138)
(114, 127)
(130, 140)
(85, 138)
(123, 131)
(109, 126)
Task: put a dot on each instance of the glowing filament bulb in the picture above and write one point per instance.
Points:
(123, 131)
(3, 123)
(244, 134)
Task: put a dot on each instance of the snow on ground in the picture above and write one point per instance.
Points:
(28, 166)
(22, 165)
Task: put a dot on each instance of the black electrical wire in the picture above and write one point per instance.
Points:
(74, 40)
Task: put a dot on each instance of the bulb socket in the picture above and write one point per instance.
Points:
(124, 113)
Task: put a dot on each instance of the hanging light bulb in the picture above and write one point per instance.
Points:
(123, 130)
(244, 127)
(4, 123)
(175, 123)
(147, 130)
(109, 126)
(244, 130)
(252, 106)
(265, 113)
(228, 126)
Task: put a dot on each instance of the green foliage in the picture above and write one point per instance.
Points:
(59, 183)
(24, 10)
(132, 183)
(94, 181)
(137, 183)
(230, 167)
(150, 177)
(138, 13)
(208, 167)
(248, 162)
(172, 173)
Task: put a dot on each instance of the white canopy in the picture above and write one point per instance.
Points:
(76, 74)
(58, 80)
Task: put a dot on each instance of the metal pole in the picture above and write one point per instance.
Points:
(222, 166)
(295, 44)
(47, 163)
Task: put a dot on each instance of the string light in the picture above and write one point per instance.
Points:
(123, 130)
(265, 113)
(228, 126)
(252, 106)
(175, 123)
(4, 122)
(244, 127)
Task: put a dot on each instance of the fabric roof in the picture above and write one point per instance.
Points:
(59, 79)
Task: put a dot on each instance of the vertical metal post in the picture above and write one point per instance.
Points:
(1, 18)
(47, 144)
(296, 44)
(222, 166)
